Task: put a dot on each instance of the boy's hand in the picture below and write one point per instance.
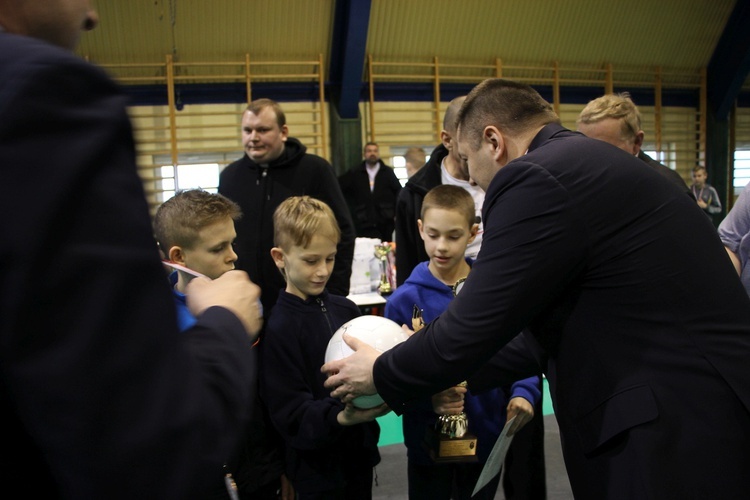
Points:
(521, 408)
(352, 415)
(449, 401)
(232, 290)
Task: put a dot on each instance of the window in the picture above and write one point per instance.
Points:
(193, 171)
(200, 175)
(741, 170)
(399, 167)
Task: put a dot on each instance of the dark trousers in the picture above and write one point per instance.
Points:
(525, 473)
(448, 481)
(357, 487)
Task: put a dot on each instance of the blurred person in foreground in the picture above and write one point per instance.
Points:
(103, 395)
(644, 338)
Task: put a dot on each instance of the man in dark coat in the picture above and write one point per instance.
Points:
(443, 167)
(275, 167)
(102, 396)
(371, 189)
(630, 303)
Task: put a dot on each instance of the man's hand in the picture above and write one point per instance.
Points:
(449, 401)
(352, 415)
(351, 376)
(232, 290)
(522, 409)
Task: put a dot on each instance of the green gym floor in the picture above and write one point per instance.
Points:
(391, 482)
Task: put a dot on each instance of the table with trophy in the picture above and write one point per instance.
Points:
(372, 301)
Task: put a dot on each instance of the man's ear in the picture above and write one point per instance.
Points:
(494, 139)
(176, 255)
(638, 143)
(419, 226)
(277, 254)
(445, 138)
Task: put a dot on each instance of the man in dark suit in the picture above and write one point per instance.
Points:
(371, 189)
(102, 395)
(614, 118)
(628, 298)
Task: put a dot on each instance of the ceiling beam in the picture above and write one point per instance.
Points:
(348, 46)
(730, 63)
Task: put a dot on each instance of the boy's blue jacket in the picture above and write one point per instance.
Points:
(486, 412)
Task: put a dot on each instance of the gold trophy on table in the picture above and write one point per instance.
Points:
(450, 439)
(381, 252)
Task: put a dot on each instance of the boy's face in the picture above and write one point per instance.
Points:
(307, 270)
(212, 254)
(445, 234)
(699, 177)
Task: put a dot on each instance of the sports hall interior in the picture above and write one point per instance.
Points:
(351, 71)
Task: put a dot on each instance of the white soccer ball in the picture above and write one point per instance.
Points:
(378, 332)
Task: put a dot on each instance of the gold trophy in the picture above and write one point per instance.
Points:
(450, 440)
(381, 252)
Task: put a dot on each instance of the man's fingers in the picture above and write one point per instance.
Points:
(352, 341)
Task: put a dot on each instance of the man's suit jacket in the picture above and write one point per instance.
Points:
(666, 172)
(624, 288)
(373, 212)
(102, 396)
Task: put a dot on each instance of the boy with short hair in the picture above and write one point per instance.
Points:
(705, 194)
(195, 229)
(447, 225)
(331, 448)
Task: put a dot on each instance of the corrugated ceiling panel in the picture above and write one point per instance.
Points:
(217, 30)
(134, 31)
(629, 34)
(638, 33)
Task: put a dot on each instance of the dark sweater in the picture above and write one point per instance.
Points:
(320, 453)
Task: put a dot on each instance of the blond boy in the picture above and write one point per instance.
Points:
(331, 448)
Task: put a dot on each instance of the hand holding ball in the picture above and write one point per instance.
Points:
(376, 331)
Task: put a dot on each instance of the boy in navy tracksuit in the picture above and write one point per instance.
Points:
(331, 448)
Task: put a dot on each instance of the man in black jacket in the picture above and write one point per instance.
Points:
(275, 167)
(637, 361)
(443, 167)
(371, 189)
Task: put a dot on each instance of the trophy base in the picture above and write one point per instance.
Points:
(444, 449)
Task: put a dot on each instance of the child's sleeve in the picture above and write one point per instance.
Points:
(398, 309)
(528, 388)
